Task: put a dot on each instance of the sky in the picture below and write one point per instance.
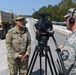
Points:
(25, 7)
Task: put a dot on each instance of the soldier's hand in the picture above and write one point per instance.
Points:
(20, 56)
(23, 57)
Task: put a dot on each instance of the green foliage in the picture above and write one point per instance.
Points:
(57, 11)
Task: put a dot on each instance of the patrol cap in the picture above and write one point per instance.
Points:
(18, 17)
(70, 12)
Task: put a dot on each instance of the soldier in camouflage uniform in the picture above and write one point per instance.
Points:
(70, 45)
(18, 42)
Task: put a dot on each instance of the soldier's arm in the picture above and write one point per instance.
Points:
(28, 44)
(9, 46)
(28, 47)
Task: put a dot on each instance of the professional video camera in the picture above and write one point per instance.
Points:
(44, 25)
(44, 28)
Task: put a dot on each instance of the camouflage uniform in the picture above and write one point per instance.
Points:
(17, 42)
(70, 61)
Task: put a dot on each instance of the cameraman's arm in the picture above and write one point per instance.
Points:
(68, 57)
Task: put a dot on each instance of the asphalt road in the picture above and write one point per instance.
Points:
(60, 38)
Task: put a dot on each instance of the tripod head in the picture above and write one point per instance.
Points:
(42, 38)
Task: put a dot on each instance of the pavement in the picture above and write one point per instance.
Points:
(62, 29)
(3, 59)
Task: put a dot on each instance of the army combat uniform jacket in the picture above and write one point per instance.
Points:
(18, 42)
(70, 60)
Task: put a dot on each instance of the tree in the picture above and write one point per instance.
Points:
(57, 11)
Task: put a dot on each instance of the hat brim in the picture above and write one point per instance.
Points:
(67, 15)
(19, 18)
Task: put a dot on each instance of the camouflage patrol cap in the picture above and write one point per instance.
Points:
(70, 12)
(18, 17)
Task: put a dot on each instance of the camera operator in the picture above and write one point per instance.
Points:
(70, 45)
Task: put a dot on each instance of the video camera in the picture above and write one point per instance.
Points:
(44, 28)
(44, 25)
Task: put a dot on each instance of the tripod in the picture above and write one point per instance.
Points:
(42, 49)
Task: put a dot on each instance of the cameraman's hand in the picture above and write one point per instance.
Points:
(61, 47)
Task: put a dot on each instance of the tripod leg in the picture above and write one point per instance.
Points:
(52, 60)
(32, 60)
(50, 64)
(45, 63)
(33, 63)
(40, 65)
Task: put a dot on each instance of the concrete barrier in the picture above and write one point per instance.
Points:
(62, 29)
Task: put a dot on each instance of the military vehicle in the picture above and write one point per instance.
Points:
(6, 22)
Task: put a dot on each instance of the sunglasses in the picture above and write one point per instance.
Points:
(21, 20)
